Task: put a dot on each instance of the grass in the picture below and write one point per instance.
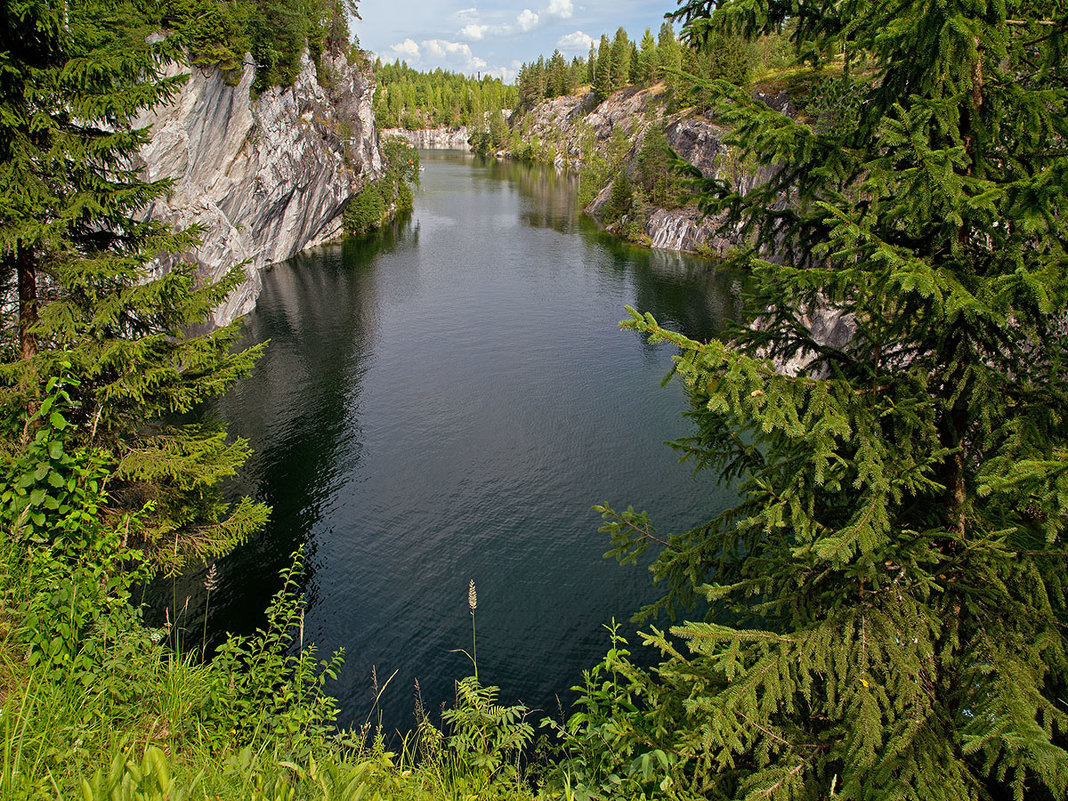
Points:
(151, 724)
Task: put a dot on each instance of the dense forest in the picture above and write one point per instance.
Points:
(274, 32)
(620, 61)
(408, 98)
(682, 70)
(884, 613)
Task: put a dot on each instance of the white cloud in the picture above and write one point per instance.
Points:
(455, 54)
(560, 8)
(577, 43)
(527, 20)
(504, 73)
(474, 31)
(405, 50)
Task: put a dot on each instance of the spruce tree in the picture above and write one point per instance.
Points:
(620, 59)
(602, 80)
(647, 72)
(669, 52)
(558, 80)
(882, 615)
(81, 297)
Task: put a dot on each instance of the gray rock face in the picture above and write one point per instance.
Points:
(567, 122)
(264, 178)
(433, 138)
(829, 327)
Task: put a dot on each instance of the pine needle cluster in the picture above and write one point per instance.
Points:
(886, 605)
(80, 290)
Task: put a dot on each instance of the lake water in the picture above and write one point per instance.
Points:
(446, 402)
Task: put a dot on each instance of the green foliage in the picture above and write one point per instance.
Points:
(485, 734)
(279, 30)
(42, 487)
(633, 226)
(84, 300)
(214, 32)
(883, 611)
(603, 757)
(130, 780)
(275, 32)
(497, 138)
(601, 165)
(715, 53)
(366, 211)
(264, 688)
(655, 173)
(602, 76)
(669, 52)
(52, 503)
(89, 680)
(408, 98)
(92, 705)
(620, 64)
(721, 56)
(381, 200)
(648, 73)
(619, 198)
(554, 77)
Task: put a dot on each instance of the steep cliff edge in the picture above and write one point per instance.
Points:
(264, 178)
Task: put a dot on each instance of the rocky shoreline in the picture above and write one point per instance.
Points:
(433, 138)
(563, 129)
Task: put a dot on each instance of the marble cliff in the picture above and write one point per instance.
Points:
(264, 177)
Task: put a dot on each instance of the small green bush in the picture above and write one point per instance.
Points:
(365, 212)
(655, 173)
(391, 194)
(619, 199)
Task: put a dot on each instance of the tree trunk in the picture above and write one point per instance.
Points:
(26, 268)
(27, 277)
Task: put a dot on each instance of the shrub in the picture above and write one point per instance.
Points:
(365, 211)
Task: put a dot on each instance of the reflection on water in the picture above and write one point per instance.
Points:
(446, 401)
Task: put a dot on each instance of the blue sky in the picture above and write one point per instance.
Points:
(495, 36)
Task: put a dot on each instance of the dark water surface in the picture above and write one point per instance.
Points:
(446, 402)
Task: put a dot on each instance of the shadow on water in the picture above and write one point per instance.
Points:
(446, 401)
(685, 293)
(314, 311)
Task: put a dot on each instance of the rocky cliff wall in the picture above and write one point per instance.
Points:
(566, 127)
(433, 138)
(264, 178)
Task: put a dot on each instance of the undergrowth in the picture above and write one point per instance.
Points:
(95, 705)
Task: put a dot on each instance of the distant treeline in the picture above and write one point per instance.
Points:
(408, 98)
(618, 62)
